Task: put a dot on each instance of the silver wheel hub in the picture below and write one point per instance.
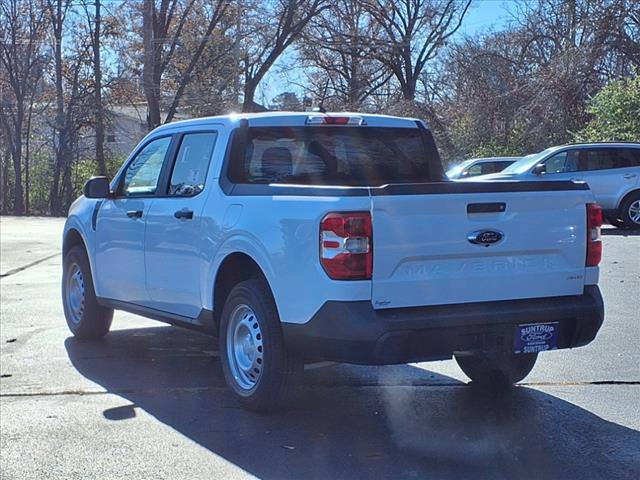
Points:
(75, 289)
(245, 352)
(634, 212)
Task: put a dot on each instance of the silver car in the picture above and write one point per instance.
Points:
(612, 171)
(480, 166)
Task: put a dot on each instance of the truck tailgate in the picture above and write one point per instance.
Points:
(436, 244)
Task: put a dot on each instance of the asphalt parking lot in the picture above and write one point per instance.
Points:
(149, 400)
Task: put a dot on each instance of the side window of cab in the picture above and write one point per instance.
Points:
(142, 175)
(192, 163)
(598, 159)
(628, 158)
(563, 162)
(474, 170)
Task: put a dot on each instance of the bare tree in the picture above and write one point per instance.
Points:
(564, 50)
(274, 27)
(214, 85)
(94, 22)
(525, 88)
(73, 80)
(627, 30)
(412, 32)
(162, 29)
(58, 10)
(337, 48)
(23, 26)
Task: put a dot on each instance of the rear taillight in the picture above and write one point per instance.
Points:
(594, 242)
(346, 247)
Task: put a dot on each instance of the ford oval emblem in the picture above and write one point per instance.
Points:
(485, 237)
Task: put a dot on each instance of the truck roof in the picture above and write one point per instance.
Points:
(289, 119)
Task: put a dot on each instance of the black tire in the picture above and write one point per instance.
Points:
(496, 369)
(89, 321)
(280, 371)
(625, 213)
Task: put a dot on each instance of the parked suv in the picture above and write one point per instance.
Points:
(303, 237)
(612, 171)
(480, 166)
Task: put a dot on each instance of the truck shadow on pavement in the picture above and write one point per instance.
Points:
(355, 422)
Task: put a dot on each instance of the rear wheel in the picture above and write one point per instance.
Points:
(257, 367)
(630, 211)
(86, 319)
(496, 369)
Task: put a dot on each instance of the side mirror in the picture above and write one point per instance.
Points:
(539, 169)
(97, 187)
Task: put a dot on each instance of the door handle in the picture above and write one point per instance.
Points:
(184, 214)
(629, 175)
(134, 214)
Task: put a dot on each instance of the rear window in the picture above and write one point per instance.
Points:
(628, 157)
(336, 155)
(608, 158)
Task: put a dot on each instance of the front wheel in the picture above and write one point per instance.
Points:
(496, 369)
(260, 371)
(86, 319)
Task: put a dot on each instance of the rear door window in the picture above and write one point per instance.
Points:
(494, 167)
(599, 159)
(328, 155)
(192, 163)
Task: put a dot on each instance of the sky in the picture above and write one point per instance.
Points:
(485, 14)
(482, 15)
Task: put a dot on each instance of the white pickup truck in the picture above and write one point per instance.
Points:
(300, 237)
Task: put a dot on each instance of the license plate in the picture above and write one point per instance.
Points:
(536, 337)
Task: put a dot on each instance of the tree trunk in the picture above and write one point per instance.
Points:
(18, 201)
(409, 89)
(16, 155)
(66, 196)
(27, 155)
(4, 181)
(248, 104)
(61, 146)
(97, 79)
(150, 80)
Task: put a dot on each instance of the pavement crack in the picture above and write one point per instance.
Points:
(580, 384)
(124, 391)
(201, 389)
(615, 382)
(28, 265)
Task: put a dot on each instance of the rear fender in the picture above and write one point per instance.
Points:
(237, 243)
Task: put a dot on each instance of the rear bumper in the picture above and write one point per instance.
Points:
(354, 332)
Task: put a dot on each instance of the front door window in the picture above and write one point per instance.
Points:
(142, 174)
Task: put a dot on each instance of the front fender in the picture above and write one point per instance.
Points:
(80, 219)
